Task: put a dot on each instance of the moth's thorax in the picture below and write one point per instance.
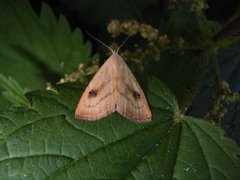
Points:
(115, 57)
(116, 62)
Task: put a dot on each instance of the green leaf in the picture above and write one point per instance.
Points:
(13, 91)
(46, 141)
(38, 49)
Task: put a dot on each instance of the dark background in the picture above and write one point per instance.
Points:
(219, 10)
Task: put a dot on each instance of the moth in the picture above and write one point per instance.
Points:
(113, 88)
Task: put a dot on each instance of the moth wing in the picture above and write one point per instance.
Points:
(131, 101)
(98, 99)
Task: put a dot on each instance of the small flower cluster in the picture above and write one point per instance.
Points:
(225, 96)
(177, 45)
(50, 87)
(196, 6)
(155, 41)
(80, 74)
(132, 27)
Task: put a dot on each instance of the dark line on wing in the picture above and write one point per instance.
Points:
(137, 107)
(98, 102)
(131, 90)
(104, 83)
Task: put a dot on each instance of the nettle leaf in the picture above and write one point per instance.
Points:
(46, 141)
(38, 48)
(13, 91)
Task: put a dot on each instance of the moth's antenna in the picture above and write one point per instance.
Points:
(100, 42)
(123, 43)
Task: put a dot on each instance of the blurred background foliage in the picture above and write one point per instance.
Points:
(190, 45)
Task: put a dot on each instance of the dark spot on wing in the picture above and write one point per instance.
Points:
(92, 93)
(136, 95)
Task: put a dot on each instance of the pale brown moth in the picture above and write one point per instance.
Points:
(113, 88)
